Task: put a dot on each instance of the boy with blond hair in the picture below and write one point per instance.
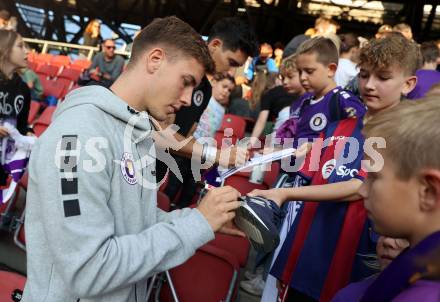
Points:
(387, 71)
(403, 199)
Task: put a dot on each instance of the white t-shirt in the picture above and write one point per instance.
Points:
(211, 120)
(346, 71)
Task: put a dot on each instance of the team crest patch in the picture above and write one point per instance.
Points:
(127, 168)
(318, 122)
(198, 98)
(351, 112)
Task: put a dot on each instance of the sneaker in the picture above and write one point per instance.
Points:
(254, 286)
(259, 218)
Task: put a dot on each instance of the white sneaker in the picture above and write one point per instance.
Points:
(254, 286)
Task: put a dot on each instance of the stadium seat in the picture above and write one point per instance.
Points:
(43, 57)
(240, 180)
(70, 74)
(56, 89)
(67, 85)
(210, 275)
(235, 122)
(163, 201)
(60, 60)
(224, 141)
(44, 120)
(81, 64)
(11, 286)
(34, 65)
(49, 70)
(33, 111)
(237, 246)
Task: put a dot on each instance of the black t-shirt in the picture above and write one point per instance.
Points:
(15, 101)
(187, 116)
(275, 100)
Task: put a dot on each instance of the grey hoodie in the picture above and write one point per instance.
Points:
(93, 229)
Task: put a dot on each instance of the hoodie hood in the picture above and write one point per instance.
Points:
(111, 104)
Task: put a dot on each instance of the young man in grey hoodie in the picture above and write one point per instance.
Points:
(93, 229)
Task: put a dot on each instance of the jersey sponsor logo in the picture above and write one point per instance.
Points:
(328, 168)
(318, 122)
(127, 168)
(342, 170)
(198, 98)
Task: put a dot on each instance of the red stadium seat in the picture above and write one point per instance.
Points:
(237, 123)
(70, 74)
(44, 120)
(54, 88)
(224, 142)
(81, 64)
(60, 60)
(210, 275)
(240, 180)
(49, 70)
(11, 285)
(34, 65)
(237, 246)
(67, 85)
(43, 57)
(33, 111)
(163, 201)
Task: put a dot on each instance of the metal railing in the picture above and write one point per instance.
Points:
(46, 45)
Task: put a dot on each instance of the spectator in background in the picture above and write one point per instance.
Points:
(4, 18)
(106, 65)
(278, 53)
(427, 76)
(404, 29)
(263, 62)
(33, 82)
(323, 27)
(12, 24)
(383, 30)
(348, 57)
(276, 102)
(211, 119)
(92, 34)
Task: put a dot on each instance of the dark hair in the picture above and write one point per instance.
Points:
(175, 36)
(325, 49)
(430, 51)
(4, 14)
(348, 41)
(392, 50)
(235, 35)
(220, 76)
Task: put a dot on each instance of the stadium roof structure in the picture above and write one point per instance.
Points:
(274, 20)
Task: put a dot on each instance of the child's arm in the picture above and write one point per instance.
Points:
(340, 191)
(259, 126)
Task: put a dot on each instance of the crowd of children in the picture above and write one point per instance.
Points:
(362, 207)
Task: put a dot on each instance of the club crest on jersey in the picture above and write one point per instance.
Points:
(318, 122)
(328, 168)
(127, 168)
(351, 112)
(198, 98)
